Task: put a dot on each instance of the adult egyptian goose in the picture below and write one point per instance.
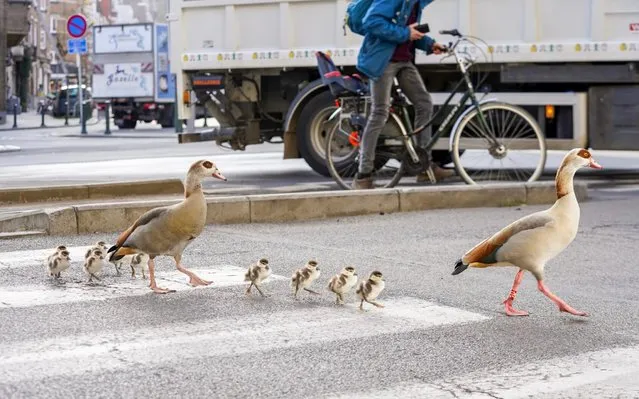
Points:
(530, 242)
(168, 230)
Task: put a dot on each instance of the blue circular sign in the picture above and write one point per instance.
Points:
(76, 26)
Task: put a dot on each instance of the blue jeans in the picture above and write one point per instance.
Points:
(413, 87)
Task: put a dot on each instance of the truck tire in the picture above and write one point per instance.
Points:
(166, 117)
(311, 135)
(127, 124)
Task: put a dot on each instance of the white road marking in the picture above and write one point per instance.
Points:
(234, 165)
(36, 257)
(606, 373)
(167, 344)
(67, 292)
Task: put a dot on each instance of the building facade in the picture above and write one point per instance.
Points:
(14, 28)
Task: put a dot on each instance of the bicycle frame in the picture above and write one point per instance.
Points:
(400, 101)
(456, 112)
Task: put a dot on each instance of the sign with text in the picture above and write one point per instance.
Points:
(135, 38)
(164, 86)
(122, 80)
(77, 46)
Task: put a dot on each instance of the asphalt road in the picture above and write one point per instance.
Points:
(59, 156)
(439, 336)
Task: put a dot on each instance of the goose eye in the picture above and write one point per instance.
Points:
(584, 154)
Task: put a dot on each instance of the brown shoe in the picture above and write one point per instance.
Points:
(365, 183)
(439, 172)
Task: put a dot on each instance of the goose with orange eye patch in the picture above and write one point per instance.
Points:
(585, 154)
(169, 230)
(533, 240)
(215, 172)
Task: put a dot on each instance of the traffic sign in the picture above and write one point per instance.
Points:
(77, 46)
(76, 26)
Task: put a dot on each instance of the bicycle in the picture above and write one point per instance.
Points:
(396, 150)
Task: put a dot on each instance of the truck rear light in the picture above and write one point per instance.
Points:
(202, 83)
(550, 111)
(186, 97)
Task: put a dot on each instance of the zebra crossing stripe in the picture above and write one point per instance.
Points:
(602, 374)
(69, 290)
(113, 350)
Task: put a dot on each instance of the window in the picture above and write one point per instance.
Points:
(43, 39)
(44, 4)
(53, 57)
(31, 36)
(53, 24)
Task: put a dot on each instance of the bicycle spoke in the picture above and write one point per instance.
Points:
(518, 155)
(342, 150)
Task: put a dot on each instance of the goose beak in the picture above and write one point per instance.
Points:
(594, 164)
(218, 175)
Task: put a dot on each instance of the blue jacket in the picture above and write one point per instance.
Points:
(386, 27)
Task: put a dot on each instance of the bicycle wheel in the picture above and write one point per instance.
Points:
(342, 154)
(517, 153)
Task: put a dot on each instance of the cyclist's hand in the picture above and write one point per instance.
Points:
(438, 48)
(414, 33)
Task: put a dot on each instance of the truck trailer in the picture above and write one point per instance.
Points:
(572, 64)
(131, 69)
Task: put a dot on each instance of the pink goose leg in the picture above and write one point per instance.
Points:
(510, 311)
(563, 306)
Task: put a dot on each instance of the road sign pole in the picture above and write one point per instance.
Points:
(76, 28)
(79, 62)
(66, 112)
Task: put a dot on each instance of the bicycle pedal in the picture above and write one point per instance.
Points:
(431, 175)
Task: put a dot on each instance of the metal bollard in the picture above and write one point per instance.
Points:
(83, 121)
(15, 115)
(107, 131)
(42, 111)
(66, 111)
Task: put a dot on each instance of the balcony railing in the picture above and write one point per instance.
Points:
(17, 21)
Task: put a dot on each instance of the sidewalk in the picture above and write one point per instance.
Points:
(33, 120)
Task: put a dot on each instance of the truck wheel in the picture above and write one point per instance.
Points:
(312, 132)
(166, 117)
(166, 120)
(127, 124)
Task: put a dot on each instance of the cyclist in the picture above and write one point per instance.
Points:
(388, 51)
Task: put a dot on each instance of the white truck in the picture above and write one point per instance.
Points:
(131, 69)
(571, 63)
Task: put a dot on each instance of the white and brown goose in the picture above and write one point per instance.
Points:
(530, 242)
(168, 230)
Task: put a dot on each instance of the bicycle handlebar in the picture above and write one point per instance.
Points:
(452, 32)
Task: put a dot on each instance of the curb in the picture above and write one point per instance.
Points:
(115, 217)
(24, 195)
(90, 122)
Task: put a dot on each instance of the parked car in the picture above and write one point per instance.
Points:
(60, 102)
